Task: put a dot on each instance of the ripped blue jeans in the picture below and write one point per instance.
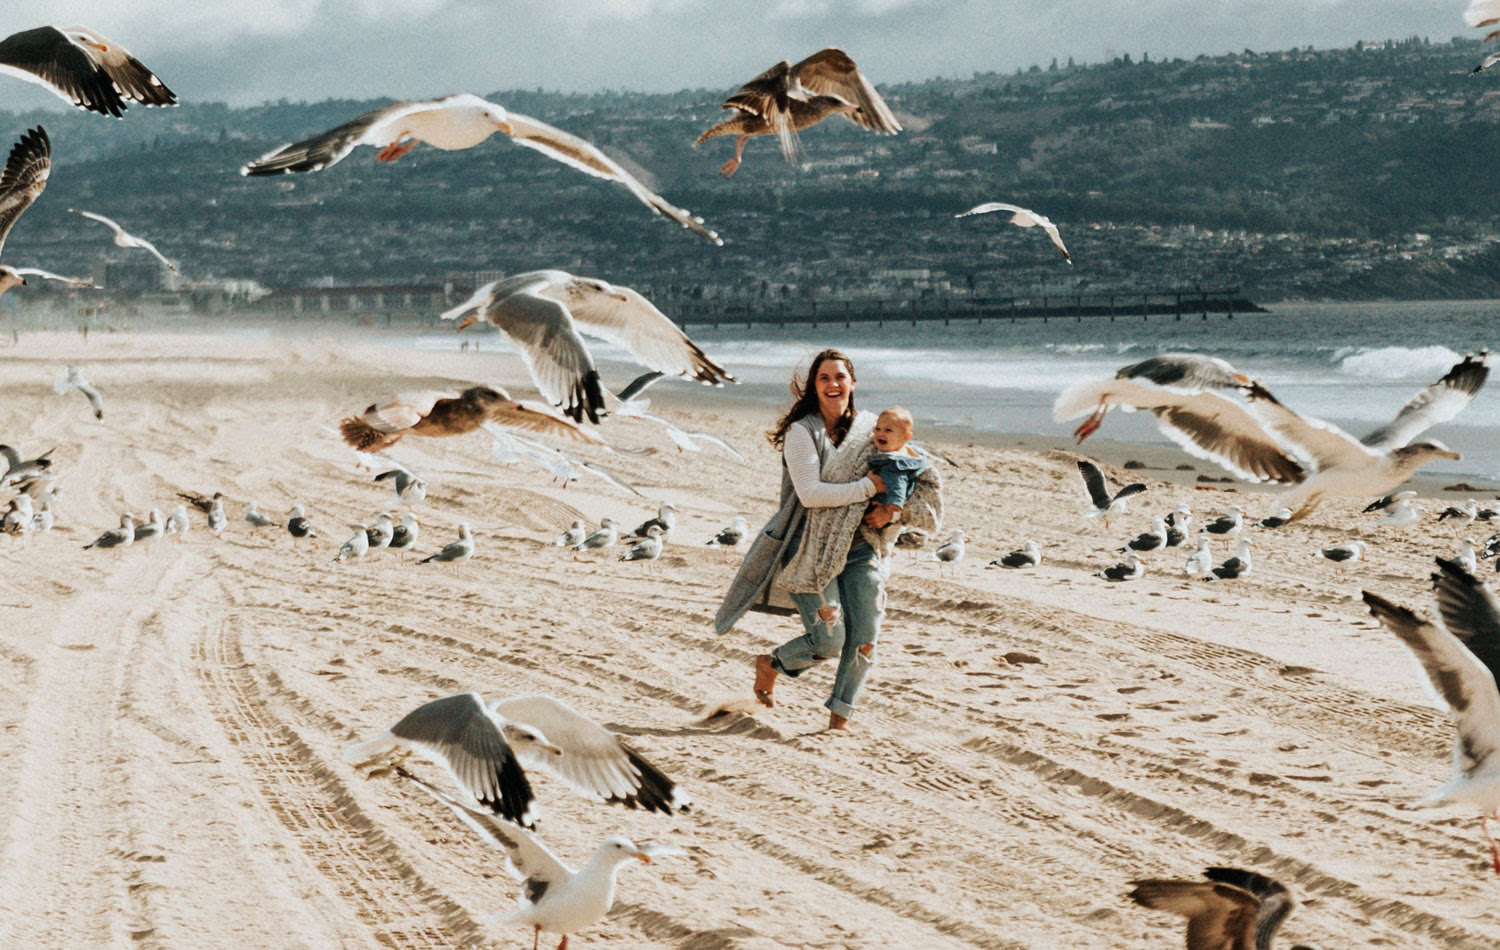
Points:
(859, 593)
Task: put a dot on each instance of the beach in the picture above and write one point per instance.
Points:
(1029, 741)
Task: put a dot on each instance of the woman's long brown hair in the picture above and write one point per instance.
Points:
(805, 401)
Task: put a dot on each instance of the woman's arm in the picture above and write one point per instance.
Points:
(802, 464)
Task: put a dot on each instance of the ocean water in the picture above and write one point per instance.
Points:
(1351, 364)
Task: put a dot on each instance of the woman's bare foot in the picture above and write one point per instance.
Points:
(765, 679)
(835, 721)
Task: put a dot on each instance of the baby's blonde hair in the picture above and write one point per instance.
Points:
(900, 413)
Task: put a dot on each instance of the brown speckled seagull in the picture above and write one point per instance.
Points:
(21, 183)
(432, 414)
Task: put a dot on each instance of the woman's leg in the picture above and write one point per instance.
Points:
(822, 641)
(862, 590)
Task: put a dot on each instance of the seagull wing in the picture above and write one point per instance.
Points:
(1209, 426)
(459, 733)
(602, 473)
(710, 437)
(764, 94)
(638, 385)
(1187, 371)
(24, 177)
(1135, 488)
(1220, 916)
(1051, 229)
(594, 760)
(331, 147)
(534, 417)
(48, 58)
(1093, 480)
(478, 300)
(130, 76)
(625, 318)
(1482, 13)
(830, 72)
(1320, 443)
(526, 856)
(543, 332)
(1437, 403)
(398, 413)
(989, 207)
(588, 158)
(48, 275)
(110, 223)
(1464, 683)
(1276, 901)
(92, 395)
(1470, 612)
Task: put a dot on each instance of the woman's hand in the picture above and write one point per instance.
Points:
(879, 516)
(879, 482)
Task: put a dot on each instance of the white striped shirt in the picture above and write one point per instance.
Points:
(803, 465)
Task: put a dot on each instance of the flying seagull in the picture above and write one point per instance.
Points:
(459, 122)
(124, 238)
(74, 379)
(554, 897)
(81, 67)
(21, 183)
(383, 423)
(1023, 218)
(1460, 650)
(542, 314)
(786, 99)
(1104, 503)
(1232, 910)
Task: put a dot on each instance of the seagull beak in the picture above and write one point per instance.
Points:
(1244, 380)
(642, 855)
(554, 750)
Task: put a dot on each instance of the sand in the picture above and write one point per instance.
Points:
(1029, 741)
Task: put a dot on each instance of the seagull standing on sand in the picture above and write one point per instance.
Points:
(731, 536)
(1030, 555)
(666, 520)
(297, 524)
(647, 548)
(1227, 524)
(74, 379)
(1201, 562)
(1460, 650)
(1151, 540)
(19, 518)
(1104, 503)
(1401, 513)
(602, 537)
(255, 518)
(786, 99)
(1131, 570)
(121, 537)
(379, 534)
(1466, 558)
(41, 520)
(1237, 566)
(1344, 553)
(575, 534)
(124, 238)
(1232, 910)
(1469, 512)
(356, 547)
(554, 898)
(81, 67)
(177, 523)
(459, 122)
(542, 314)
(1276, 519)
(22, 181)
(951, 552)
(1179, 523)
(150, 530)
(1023, 218)
(404, 533)
(460, 550)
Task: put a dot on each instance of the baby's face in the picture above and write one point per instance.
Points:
(891, 433)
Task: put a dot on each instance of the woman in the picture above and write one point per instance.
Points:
(835, 557)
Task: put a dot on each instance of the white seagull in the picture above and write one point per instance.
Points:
(1401, 512)
(1151, 540)
(460, 550)
(178, 523)
(356, 547)
(542, 314)
(574, 534)
(1201, 561)
(151, 529)
(124, 238)
(951, 552)
(1237, 566)
(256, 518)
(1023, 218)
(1459, 650)
(554, 897)
(666, 520)
(121, 537)
(81, 67)
(1342, 553)
(1466, 557)
(1104, 503)
(647, 548)
(1227, 524)
(73, 379)
(458, 122)
(21, 182)
(602, 537)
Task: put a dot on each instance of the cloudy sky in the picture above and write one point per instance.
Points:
(249, 52)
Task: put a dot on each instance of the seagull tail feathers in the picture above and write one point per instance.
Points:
(358, 753)
(1080, 399)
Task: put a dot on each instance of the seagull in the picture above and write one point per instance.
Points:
(1104, 503)
(1469, 512)
(74, 379)
(19, 518)
(1466, 558)
(542, 314)
(81, 67)
(410, 489)
(575, 534)
(177, 522)
(1030, 555)
(74, 282)
(731, 536)
(124, 238)
(666, 520)
(121, 537)
(913, 539)
(510, 447)
(297, 524)
(950, 552)
(42, 518)
(356, 547)
(682, 438)
(1460, 650)
(1232, 910)
(21, 182)
(460, 550)
(1237, 566)
(1131, 570)
(1179, 523)
(1151, 540)
(1401, 513)
(1023, 218)
(1167, 384)
(602, 537)
(786, 99)
(379, 534)
(1340, 553)
(404, 533)
(383, 423)
(1227, 524)
(486, 746)
(647, 548)
(1201, 562)
(150, 530)
(17, 470)
(1277, 519)
(217, 520)
(1387, 500)
(459, 122)
(1486, 63)
(255, 518)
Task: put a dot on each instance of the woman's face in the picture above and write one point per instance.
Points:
(834, 386)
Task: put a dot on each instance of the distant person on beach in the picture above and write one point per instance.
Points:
(827, 546)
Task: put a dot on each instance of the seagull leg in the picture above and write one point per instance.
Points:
(1091, 424)
(536, 936)
(394, 151)
(563, 944)
(731, 166)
